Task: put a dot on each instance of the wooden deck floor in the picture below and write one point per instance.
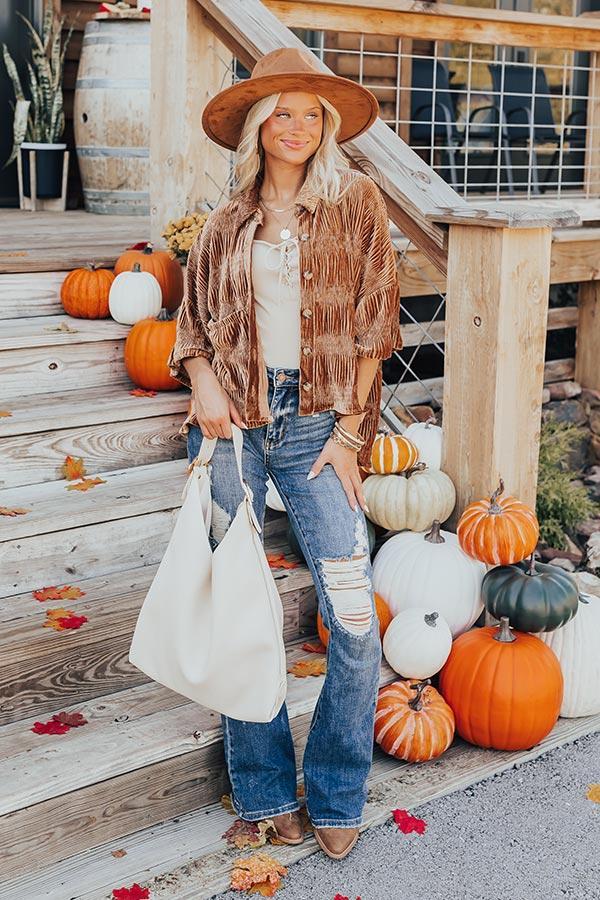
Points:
(59, 241)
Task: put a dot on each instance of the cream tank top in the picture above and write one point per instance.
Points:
(276, 287)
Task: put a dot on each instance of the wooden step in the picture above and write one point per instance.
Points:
(113, 445)
(69, 533)
(186, 858)
(41, 667)
(145, 755)
(35, 356)
(86, 407)
(24, 294)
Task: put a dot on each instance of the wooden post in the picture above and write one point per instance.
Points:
(496, 317)
(188, 66)
(587, 352)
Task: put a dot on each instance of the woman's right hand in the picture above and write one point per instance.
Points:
(214, 408)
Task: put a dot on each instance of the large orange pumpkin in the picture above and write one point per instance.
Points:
(499, 531)
(84, 292)
(412, 721)
(391, 453)
(166, 270)
(383, 614)
(505, 687)
(147, 349)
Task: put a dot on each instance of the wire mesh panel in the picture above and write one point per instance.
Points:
(490, 120)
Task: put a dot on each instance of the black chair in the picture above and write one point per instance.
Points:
(435, 121)
(522, 106)
(432, 120)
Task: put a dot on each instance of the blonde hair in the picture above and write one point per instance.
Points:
(324, 168)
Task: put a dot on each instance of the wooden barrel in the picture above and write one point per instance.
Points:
(111, 117)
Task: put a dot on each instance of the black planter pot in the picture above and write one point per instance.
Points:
(49, 161)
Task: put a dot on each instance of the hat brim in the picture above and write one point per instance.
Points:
(224, 115)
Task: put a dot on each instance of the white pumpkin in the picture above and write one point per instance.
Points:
(134, 296)
(273, 500)
(427, 438)
(418, 570)
(412, 499)
(577, 646)
(417, 643)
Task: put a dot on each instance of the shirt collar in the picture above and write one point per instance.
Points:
(247, 203)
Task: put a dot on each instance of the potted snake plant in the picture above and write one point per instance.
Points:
(39, 119)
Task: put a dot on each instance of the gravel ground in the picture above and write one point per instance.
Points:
(529, 833)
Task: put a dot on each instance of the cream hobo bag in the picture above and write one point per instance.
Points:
(211, 625)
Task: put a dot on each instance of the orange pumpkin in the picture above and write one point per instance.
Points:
(499, 531)
(166, 270)
(505, 687)
(383, 614)
(391, 453)
(84, 292)
(412, 721)
(147, 349)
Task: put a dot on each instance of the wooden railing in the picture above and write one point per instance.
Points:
(496, 261)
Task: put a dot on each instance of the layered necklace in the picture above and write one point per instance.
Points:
(285, 234)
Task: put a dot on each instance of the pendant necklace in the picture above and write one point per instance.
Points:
(285, 232)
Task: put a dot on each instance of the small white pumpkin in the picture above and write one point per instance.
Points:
(417, 643)
(577, 646)
(273, 499)
(427, 438)
(134, 296)
(412, 499)
(415, 570)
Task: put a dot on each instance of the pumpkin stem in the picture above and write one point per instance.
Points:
(495, 508)
(503, 634)
(430, 421)
(419, 467)
(434, 536)
(583, 598)
(148, 248)
(417, 703)
(163, 315)
(91, 266)
(531, 570)
(136, 267)
(430, 618)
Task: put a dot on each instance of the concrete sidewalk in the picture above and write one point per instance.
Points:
(528, 833)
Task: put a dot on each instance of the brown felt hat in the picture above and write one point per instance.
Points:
(288, 69)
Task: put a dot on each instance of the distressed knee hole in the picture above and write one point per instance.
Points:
(349, 586)
(219, 523)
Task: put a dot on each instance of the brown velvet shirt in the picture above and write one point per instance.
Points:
(350, 303)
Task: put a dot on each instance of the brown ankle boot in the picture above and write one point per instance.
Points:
(336, 842)
(289, 827)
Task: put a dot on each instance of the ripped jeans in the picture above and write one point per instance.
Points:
(339, 748)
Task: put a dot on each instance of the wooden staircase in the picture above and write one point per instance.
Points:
(146, 755)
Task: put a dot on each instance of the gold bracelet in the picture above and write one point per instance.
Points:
(355, 438)
(338, 440)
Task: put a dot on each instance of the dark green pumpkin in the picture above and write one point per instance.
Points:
(295, 546)
(535, 597)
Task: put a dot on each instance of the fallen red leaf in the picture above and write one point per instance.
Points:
(70, 622)
(258, 874)
(85, 484)
(72, 719)
(118, 854)
(407, 823)
(135, 892)
(73, 467)
(50, 727)
(67, 592)
(141, 392)
(314, 647)
(340, 897)
(61, 619)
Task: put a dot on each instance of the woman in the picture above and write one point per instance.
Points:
(291, 303)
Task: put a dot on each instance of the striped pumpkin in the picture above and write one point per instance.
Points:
(413, 721)
(391, 453)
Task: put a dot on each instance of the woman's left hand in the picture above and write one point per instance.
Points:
(344, 461)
